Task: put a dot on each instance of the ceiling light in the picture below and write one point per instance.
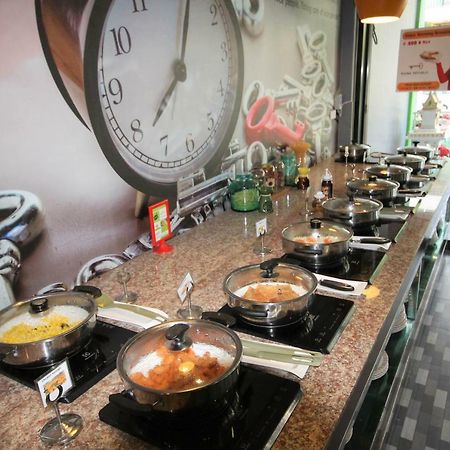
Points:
(379, 11)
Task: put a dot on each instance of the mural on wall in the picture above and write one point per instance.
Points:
(164, 82)
(179, 94)
(292, 99)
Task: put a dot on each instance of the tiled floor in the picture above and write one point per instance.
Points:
(421, 419)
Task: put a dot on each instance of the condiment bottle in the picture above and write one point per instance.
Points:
(279, 174)
(319, 198)
(290, 167)
(303, 186)
(327, 184)
(303, 180)
(265, 200)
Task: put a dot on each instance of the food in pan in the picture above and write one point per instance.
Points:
(270, 292)
(28, 327)
(167, 370)
(315, 239)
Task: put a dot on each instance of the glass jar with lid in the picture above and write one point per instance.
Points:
(244, 193)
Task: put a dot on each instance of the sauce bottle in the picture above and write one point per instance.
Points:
(318, 199)
(303, 180)
(303, 187)
(327, 184)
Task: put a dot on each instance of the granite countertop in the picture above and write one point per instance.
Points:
(209, 252)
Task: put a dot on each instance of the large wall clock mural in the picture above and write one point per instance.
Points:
(158, 82)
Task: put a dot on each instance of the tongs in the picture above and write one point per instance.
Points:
(104, 301)
(281, 353)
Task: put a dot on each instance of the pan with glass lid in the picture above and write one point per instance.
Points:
(393, 172)
(46, 329)
(416, 149)
(416, 162)
(375, 188)
(179, 367)
(317, 242)
(272, 293)
(356, 212)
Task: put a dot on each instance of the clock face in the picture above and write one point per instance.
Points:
(163, 83)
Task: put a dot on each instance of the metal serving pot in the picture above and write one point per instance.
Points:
(421, 150)
(180, 367)
(375, 188)
(355, 212)
(356, 152)
(401, 174)
(416, 162)
(317, 242)
(77, 306)
(272, 275)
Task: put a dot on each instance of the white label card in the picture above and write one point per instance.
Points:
(55, 383)
(261, 227)
(186, 285)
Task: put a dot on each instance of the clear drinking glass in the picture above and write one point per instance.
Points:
(123, 277)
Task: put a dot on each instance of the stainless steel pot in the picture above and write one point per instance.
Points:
(375, 188)
(356, 212)
(356, 152)
(165, 367)
(416, 162)
(270, 274)
(317, 242)
(401, 174)
(421, 150)
(44, 352)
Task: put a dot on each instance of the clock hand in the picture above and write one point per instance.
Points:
(165, 100)
(185, 29)
(179, 66)
(179, 75)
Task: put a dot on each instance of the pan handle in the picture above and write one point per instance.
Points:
(337, 285)
(248, 312)
(307, 251)
(373, 240)
(6, 354)
(88, 289)
(130, 405)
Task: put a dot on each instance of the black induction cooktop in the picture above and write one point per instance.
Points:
(253, 419)
(358, 265)
(318, 330)
(92, 363)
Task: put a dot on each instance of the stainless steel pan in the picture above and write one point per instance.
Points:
(356, 212)
(317, 242)
(63, 343)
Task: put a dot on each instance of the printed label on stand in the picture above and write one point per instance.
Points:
(53, 384)
(185, 286)
(159, 218)
(261, 227)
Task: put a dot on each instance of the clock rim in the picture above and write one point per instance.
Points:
(51, 63)
(95, 110)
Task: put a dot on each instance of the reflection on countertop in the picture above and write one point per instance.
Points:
(209, 252)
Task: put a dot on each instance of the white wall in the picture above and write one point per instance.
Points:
(387, 110)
